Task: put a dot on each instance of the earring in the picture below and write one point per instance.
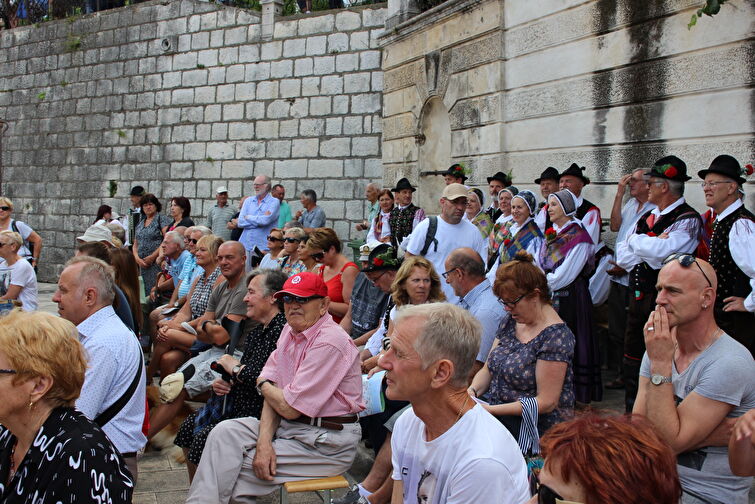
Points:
(705, 307)
(31, 404)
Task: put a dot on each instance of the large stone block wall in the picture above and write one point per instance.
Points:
(182, 97)
(609, 84)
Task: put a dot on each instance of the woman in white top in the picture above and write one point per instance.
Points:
(31, 239)
(380, 230)
(17, 278)
(523, 231)
(501, 229)
(275, 247)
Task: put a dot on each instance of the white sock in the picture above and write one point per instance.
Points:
(363, 491)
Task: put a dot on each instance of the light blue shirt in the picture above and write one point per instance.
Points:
(189, 272)
(484, 305)
(257, 218)
(113, 357)
(314, 218)
(175, 266)
(284, 215)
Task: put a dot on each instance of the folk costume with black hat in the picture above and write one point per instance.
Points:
(493, 210)
(455, 174)
(309, 426)
(134, 215)
(587, 212)
(501, 230)
(566, 259)
(732, 254)
(541, 217)
(404, 218)
(675, 227)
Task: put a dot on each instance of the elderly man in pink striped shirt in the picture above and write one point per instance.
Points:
(309, 427)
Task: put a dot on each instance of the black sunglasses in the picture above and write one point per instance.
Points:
(273, 238)
(546, 495)
(288, 299)
(317, 256)
(686, 260)
(5, 208)
(446, 273)
(291, 240)
(192, 240)
(8, 371)
(511, 304)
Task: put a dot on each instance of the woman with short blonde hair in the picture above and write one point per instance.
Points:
(17, 278)
(31, 244)
(42, 368)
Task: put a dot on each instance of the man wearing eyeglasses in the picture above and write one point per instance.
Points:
(673, 226)
(732, 254)
(309, 427)
(258, 215)
(695, 381)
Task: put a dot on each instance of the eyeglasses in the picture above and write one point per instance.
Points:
(290, 240)
(193, 241)
(686, 260)
(713, 185)
(446, 273)
(546, 495)
(8, 371)
(273, 238)
(317, 256)
(511, 304)
(5, 208)
(288, 299)
(386, 344)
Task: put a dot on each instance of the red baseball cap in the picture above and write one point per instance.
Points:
(303, 285)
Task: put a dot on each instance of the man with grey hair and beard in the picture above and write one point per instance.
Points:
(257, 217)
(113, 395)
(445, 447)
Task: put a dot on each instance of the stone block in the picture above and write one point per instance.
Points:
(285, 29)
(255, 110)
(316, 24)
(277, 109)
(377, 81)
(203, 132)
(333, 84)
(357, 83)
(338, 43)
(250, 150)
(200, 40)
(220, 150)
(312, 127)
(305, 148)
(333, 209)
(257, 71)
(228, 55)
(339, 189)
(289, 128)
(207, 170)
(317, 45)
(241, 131)
(233, 111)
(249, 53)
(333, 126)
(300, 108)
(234, 73)
(290, 169)
(366, 146)
(204, 94)
(353, 125)
(271, 50)
(310, 86)
(325, 168)
(294, 47)
(226, 93)
(235, 36)
(267, 90)
(194, 151)
(347, 62)
(281, 69)
(303, 66)
(335, 147)
(216, 75)
(359, 41)
(193, 78)
(353, 168)
(278, 149)
(348, 21)
(254, 33)
(182, 96)
(246, 92)
(266, 129)
(185, 61)
(341, 104)
(373, 168)
(290, 88)
(216, 38)
(365, 103)
(369, 60)
(324, 65)
(219, 131)
(319, 105)
(235, 169)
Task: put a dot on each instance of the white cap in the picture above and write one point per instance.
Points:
(221, 190)
(97, 233)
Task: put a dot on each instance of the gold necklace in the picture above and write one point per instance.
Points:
(462, 408)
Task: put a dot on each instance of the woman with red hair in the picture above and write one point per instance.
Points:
(598, 459)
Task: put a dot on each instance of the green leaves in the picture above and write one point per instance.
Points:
(711, 8)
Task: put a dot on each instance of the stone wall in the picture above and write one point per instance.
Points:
(182, 97)
(609, 84)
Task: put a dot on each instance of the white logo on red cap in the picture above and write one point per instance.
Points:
(295, 280)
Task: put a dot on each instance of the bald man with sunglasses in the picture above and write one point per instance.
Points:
(695, 380)
(312, 389)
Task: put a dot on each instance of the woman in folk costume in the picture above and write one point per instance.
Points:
(502, 228)
(525, 233)
(565, 257)
(475, 214)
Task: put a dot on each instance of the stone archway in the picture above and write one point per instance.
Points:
(434, 152)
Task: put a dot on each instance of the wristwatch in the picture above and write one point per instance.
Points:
(658, 379)
(235, 370)
(260, 384)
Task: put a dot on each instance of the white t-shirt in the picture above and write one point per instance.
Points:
(475, 461)
(24, 230)
(21, 274)
(450, 237)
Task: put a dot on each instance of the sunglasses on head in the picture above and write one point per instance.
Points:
(686, 260)
(288, 299)
(317, 256)
(546, 495)
(273, 238)
(5, 208)
(291, 240)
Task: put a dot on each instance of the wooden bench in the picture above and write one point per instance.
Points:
(324, 485)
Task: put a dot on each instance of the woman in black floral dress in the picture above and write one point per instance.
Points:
(241, 392)
(49, 452)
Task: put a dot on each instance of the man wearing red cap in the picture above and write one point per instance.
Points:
(309, 427)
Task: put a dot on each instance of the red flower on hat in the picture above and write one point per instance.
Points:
(507, 242)
(670, 171)
(377, 262)
(748, 169)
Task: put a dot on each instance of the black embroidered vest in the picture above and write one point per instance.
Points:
(401, 222)
(643, 278)
(731, 280)
(494, 213)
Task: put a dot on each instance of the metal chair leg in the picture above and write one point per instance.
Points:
(284, 495)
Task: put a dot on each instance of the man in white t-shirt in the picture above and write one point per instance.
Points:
(446, 448)
(451, 233)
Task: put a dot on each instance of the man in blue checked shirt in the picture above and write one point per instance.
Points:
(258, 216)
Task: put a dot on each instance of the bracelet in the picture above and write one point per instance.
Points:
(474, 390)
(204, 324)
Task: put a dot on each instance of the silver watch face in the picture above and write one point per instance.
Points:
(658, 379)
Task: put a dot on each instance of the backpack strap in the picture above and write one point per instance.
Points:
(430, 239)
(115, 408)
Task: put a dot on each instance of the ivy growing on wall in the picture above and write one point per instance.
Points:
(711, 8)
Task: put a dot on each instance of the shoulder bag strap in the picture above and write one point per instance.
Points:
(115, 408)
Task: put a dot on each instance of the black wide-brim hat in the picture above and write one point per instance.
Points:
(549, 173)
(669, 168)
(727, 166)
(500, 177)
(455, 170)
(402, 184)
(576, 171)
